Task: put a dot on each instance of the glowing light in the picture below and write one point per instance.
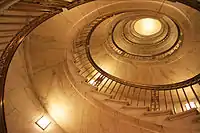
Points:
(43, 122)
(61, 111)
(58, 111)
(147, 26)
(192, 105)
(92, 81)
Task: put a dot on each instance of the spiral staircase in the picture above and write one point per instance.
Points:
(154, 106)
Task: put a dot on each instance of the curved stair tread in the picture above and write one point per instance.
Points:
(135, 115)
(137, 118)
(115, 104)
(133, 111)
(138, 112)
(186, 118)
(99, 95)
(181, 115)
(136, 107)
(197, 119)
(157, 117)
(158, 113)
(122, 102)
(130, 113)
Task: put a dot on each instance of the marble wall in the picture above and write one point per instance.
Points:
(48, 56)
(22, 108)
(42, 78)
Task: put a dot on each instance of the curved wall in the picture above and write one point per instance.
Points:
(57, 86)
(22, 108)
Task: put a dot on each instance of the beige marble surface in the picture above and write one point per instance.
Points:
(43, 79)
(181, 66)
(22, 108)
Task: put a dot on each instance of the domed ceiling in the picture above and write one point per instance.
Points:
(141, 46)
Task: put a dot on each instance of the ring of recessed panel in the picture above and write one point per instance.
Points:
(129, 40)
(89, 69)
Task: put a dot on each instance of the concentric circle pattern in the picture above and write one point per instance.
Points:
(149, 45)
(141, 54)
(112, 47)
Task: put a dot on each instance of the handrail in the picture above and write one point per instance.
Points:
(54, 7)
(18, 39)
(86, 39)
(98, 78)
(9, 51)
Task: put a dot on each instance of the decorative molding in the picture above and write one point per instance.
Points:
(18, 39)
(83, 44)
(136, 107)
(158, 113)
(102, 94)
(117, 101)
(183, 114)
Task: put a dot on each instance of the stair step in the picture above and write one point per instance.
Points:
(156, 117)
(99, 96)
(92, 88)
(197, 119)
(133, 111)
(136, 116)
(100, 93)
(158, 113)
(181, 115)
(135, 107)
(123, 102)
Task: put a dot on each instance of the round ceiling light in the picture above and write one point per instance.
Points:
(147, 26)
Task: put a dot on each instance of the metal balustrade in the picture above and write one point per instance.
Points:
(20, 17)
(172, 96)
(16, 23)
(17, 19)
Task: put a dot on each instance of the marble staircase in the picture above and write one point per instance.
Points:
(155, 121)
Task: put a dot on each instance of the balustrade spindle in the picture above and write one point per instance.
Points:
(86, 70)
(117, 91)
(122, 92)
(186, 98)
(90, 73)
(103, 84)
(145, 96)
(195, 94)
(80, 61)
(165, 99)
(138, 97)
(85, 64)
(113, 87)
(129, 89)
(99, 80)
(179, 100)
(172, 101)
(92, 77)
(108, 86)
(80, 56)
(133, 93)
